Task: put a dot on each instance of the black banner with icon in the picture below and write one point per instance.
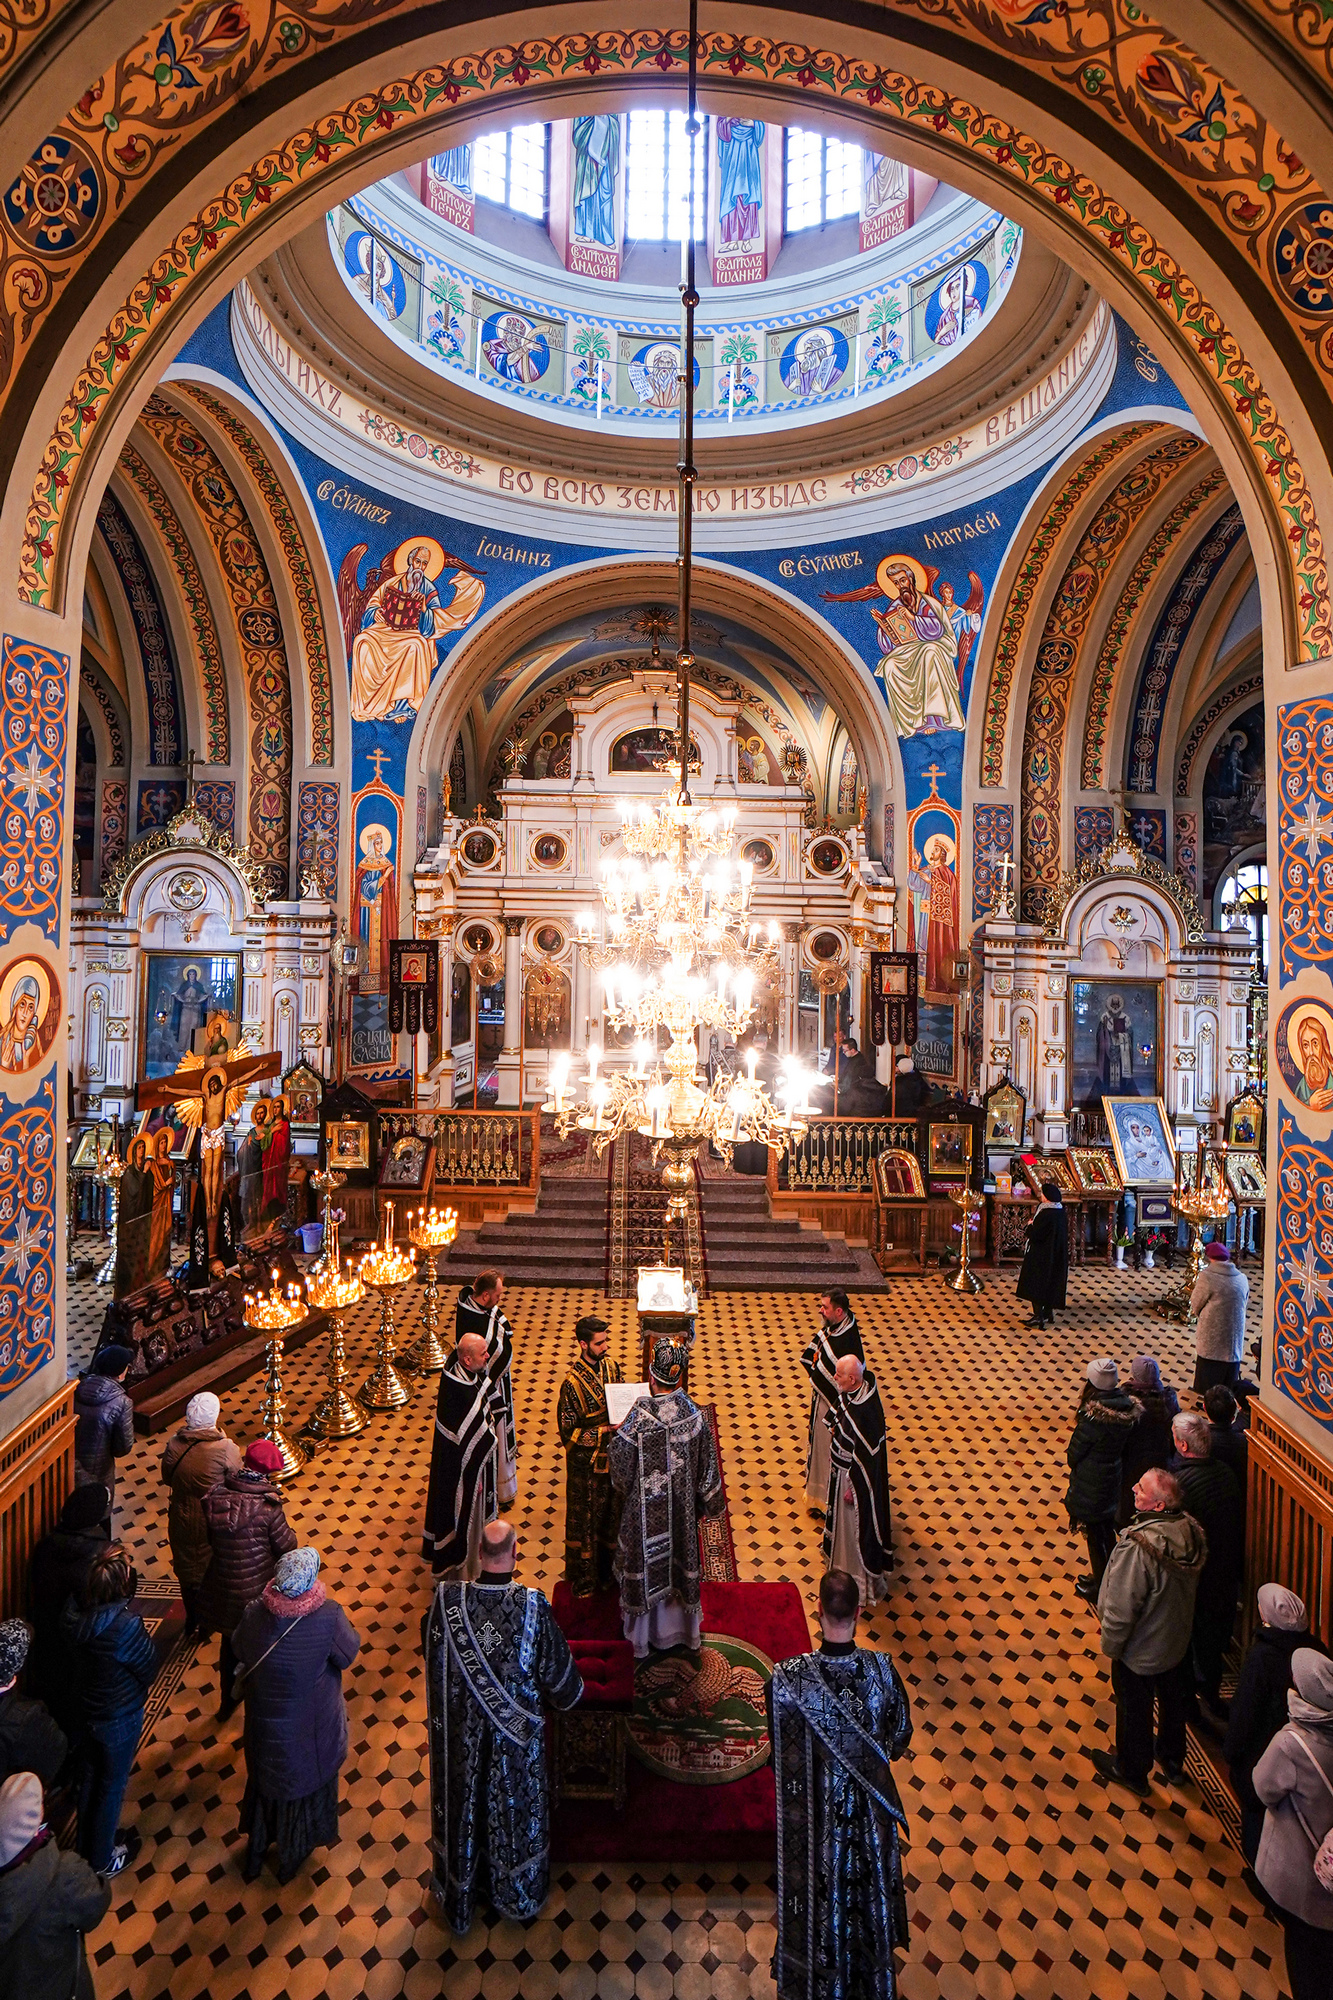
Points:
(893, 998)
(414, 985)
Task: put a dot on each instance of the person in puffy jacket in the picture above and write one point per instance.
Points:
(247, 1532)
(1259, 1705)
(293, 1644)
(115, 1664)
(49, 1900)
(1146, 1607)
(1106, 1420)
(1218, 1303)
(105, 1428)
(1150, 1442)
(1294, 1779)
(60, 1564)
(194, 1462)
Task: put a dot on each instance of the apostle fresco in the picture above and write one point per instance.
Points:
(924, 644)
(394, 622)
(934, 888)
(740, 178)
(375, 905)
(23, 1011)
(596, 163)
(1316, 1083)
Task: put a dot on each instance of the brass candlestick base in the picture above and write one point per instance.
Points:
(965, 1279)
(426, 1355)
(383, 1388)
(109, 1172)
(270, 1423)
(337, 1415)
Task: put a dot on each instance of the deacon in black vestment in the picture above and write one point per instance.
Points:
(858, 1535)
(837, 1334)
(1045, 1271)
(836, 1719)
(460, 1498)
(478, 1311)
(494, 1657)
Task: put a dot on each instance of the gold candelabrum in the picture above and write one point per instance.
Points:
(1201, 1197)
(385, 1269)
(109, 1171)
(273, 1312)
(965, 1279)
(337, 1414)
(432, 1231)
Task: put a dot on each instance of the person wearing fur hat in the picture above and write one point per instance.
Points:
(30, 1738)
(1150, 1440)
(1106, 1419)
(1218, 1303)
(293, 1645)
(1259, 1705)
(1294, 1780)
(49, 1900)
(60, 1563)
(1044, 1277)
(248, 1532)
(105, 1428)
(193, 1463)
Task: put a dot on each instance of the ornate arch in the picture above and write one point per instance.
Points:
(259, 628)
(1162, 653)
(1207, 727)
(157, 657)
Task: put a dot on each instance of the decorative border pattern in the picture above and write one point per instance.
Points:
(157, 800)
(1093, 827)
(27, 1235)
(299, 568)
(115, 823)
(1305, 834)
(1173, 628)
(992, 840)
(1040, 549)
(1187, 848)
(1114, 647)
(258, 627)
(34, 718)
(317, 834)
(1251, 685)
(217, 798)
(147, 119)
(1303, 1343)
(212, 675)
(1148, 828)
(1057, 659)
(89, 678)
(150, 629)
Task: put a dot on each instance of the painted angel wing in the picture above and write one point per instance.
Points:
(932, 578)
(861, 596)
(456, 562)
(976, 598)
(352, 595)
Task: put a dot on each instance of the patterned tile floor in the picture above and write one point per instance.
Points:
(1026, 1876)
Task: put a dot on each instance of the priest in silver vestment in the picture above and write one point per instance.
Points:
(836, 1335)
(495, 1657)
(837, 1719)
(480, 1310)
(663, 1460)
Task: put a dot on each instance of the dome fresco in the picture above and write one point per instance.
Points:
(827, 274)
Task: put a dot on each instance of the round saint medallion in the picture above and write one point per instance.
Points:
(825, 945)
(828, 857)
(186, 892)
(549, 850)
(479, 850)
(1302, 256)
(760, 855)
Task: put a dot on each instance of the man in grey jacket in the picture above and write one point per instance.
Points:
(1146, 1607)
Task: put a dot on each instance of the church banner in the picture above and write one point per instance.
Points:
(414, 985)
(893, 987)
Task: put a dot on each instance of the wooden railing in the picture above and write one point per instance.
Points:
(1288, 1519)
(36, 1473)
(475, 1149)
(837, 1155)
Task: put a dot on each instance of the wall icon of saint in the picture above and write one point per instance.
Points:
(29, 1015)
(375, 275)
(375, 904)
(596, 164)
(740, 180)
(956, 304)
(516, 349)
(925, 641)
(394, 621)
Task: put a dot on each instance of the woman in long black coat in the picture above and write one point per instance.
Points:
(292, 1646)
(1045, 1271)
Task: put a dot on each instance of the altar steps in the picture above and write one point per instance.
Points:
(561, 1242)
(747, 1249)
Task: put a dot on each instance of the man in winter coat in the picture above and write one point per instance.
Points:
(105, 1428)
(1294, 1779)
(194, 1462)
(1211, 1495)
(60, 1565)
(49, 1900)
(1045, 1273)
(1106, 1420)
(1218, 1303)
(247, 1532)
(30, 1740)
(1259, 1705)
(1146, 1607)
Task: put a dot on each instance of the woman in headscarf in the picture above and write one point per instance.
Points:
(292, 1646)
(1150, 1442)
(193, 1463)
(1294, 1780)
(1259, 1705)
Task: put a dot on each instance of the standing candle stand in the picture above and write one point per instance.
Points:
(1197, 1206)
(431, 1233)
(109, 1171)
(272, 1313)
(337, 1415)
(385, 1270)
(965, 1279)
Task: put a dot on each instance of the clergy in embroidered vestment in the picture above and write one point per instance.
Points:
(494, 1658)
(837, 1718)
(460, 1498)
(592, 1505)
(857, 1532)
(479, 1311)
(837, 1334)
(664, 1464)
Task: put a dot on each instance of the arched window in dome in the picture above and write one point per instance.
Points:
(657, 190)
(1242, 897)
(823, 179)
(510, 168)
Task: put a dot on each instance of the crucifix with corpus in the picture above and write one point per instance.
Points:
(204, 1091)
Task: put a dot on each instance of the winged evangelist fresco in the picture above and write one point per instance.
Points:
(393, 621)
(925, 641)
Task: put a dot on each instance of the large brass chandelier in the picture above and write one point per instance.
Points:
(680, 950)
